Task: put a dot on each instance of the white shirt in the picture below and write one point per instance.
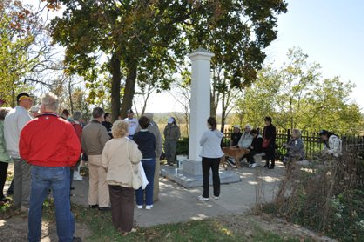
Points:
(14, 122)
(133, 124)
(211, 144)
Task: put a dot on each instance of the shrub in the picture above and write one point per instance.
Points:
(326, 196)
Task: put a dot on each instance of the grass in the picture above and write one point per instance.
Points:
(232, 228)
(100, 224)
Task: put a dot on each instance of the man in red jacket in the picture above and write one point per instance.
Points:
(51, 146)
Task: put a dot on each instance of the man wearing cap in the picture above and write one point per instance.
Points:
(171, 135)
(235, 136)
(13, 124)
(133, 123)
(332, 143)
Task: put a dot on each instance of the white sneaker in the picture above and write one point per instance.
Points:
(216, 198)
(77, 176)
(201, 198)
(139, 206)
(148, 207)
(253, 165)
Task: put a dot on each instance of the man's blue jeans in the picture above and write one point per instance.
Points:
(149, 169)
(57, 179)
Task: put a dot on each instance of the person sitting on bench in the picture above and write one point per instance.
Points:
(255, 147)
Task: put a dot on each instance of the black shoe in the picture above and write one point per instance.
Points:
(104, 208)
(72, 188)
(271, 167)
(93, 206)
(76, 239)
(266, 165)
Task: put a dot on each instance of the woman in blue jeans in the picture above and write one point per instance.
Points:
(147, 144)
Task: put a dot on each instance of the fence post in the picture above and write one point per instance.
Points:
(288, 135)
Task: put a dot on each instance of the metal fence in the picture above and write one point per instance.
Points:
(312, 142)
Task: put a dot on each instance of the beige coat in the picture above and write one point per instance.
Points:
(94, 137)
(118, 156)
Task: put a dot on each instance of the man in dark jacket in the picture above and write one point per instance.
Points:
(51, 146)
(269, 142)
(255, 147)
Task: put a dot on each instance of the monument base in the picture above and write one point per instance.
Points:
(190, 175)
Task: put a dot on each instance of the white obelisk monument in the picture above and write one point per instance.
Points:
(199, 107)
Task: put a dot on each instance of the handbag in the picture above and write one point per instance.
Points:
(139, 179)
(266, 143)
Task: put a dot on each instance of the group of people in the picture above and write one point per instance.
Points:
(46, 147)
(255, 143)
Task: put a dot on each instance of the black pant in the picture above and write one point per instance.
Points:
(122, 207)
(270, 156)
(3, 175)
(214, 164)
(251, 157)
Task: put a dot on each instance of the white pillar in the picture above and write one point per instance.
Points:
(200, 99)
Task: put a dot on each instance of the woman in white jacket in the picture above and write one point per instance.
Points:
(332, 143)
(211, 155)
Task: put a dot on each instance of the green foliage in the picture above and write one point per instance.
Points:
(182, 146)
(326, 196)
(296, 96)
(15, 38)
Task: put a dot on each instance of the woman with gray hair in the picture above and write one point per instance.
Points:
(295, 147)
(4, 157)
(119, 156)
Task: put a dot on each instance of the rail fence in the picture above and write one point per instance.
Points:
(312, 142)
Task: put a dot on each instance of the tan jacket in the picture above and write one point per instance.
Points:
(94, 136)
(154, 129)
(118, 156)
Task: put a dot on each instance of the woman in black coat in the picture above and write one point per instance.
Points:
(269, 142)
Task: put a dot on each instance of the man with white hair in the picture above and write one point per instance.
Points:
(246, 138)
(14, 122)
(49, 143)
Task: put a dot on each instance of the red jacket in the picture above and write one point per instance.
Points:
(49, 141)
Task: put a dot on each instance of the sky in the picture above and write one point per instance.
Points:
(331, 32)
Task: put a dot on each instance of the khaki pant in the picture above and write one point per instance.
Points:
(98, 191)
(156, 179)
(22, 181)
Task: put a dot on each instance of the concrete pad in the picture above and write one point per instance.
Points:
(195, 180)
(178, 204)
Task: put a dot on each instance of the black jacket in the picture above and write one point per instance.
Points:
(235, 137)
(270, 132)
(256, 145)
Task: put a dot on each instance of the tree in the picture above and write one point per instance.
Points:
(16, 36)
(237, 32)
(296, 96)
(121, 36)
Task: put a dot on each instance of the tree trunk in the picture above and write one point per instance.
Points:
(129, 91)
(70, 96)
(115, 66)
(212, 105)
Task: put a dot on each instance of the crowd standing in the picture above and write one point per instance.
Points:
(46, 149)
